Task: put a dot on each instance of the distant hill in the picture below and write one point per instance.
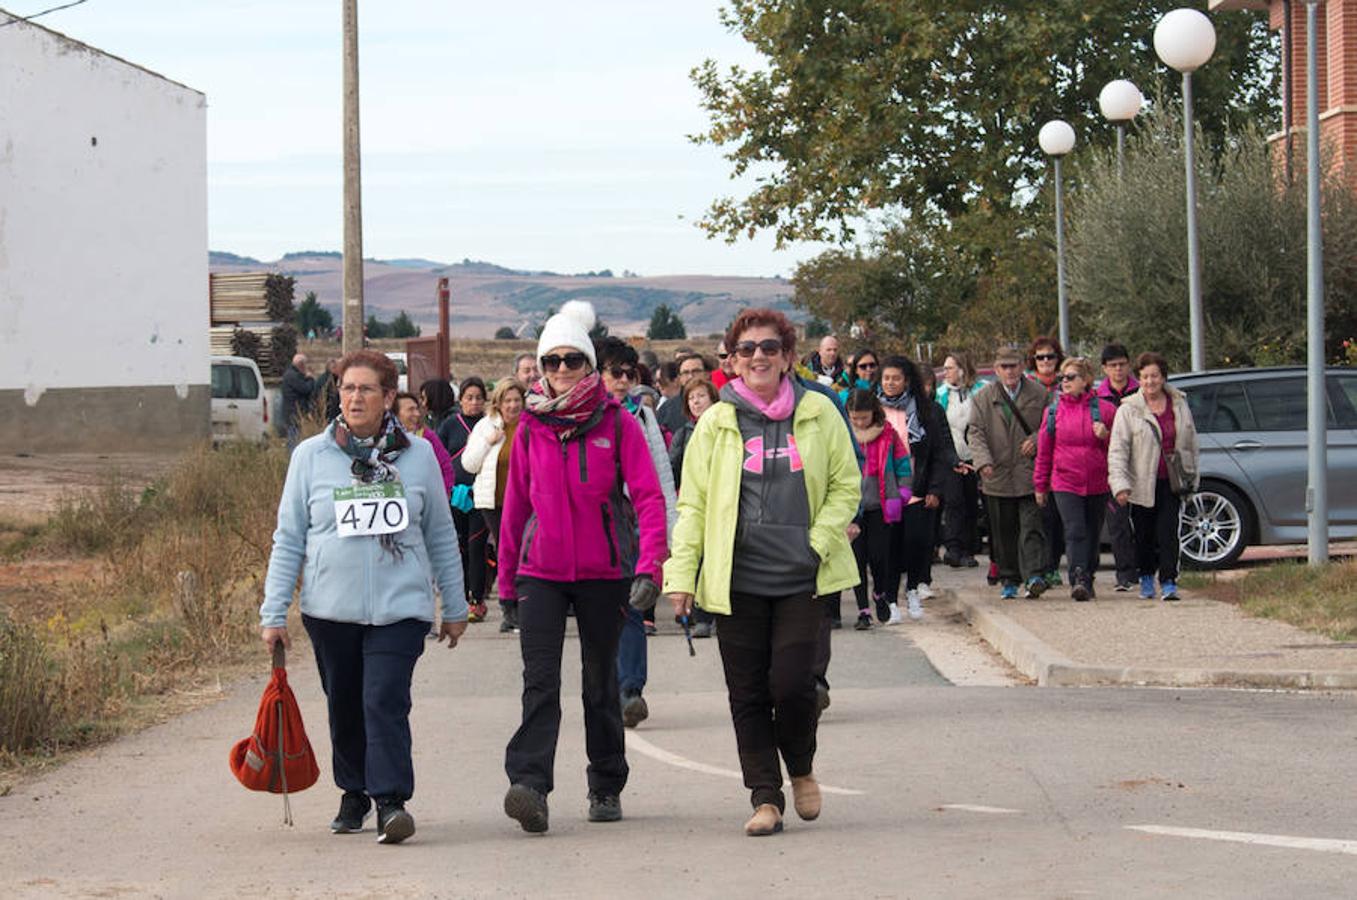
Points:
(486, 296)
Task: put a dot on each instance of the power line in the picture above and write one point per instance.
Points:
(35, 15)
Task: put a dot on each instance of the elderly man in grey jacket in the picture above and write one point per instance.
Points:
(1004, 417)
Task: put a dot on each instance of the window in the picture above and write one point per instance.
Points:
(223, 385)
(1278, 404)
(1343, 399)
(247, 386)
(1231, 411)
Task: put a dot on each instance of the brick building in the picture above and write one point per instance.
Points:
(1337, 78)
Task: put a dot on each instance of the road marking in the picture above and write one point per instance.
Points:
(992, 810)
(643, 746)
(1322, 845)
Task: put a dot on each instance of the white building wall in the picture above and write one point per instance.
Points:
(103, 222)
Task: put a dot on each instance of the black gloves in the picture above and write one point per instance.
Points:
(644, 593)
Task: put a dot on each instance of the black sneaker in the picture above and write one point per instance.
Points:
(604, 807)
(634, 710)
(821, 697)
(1079, 592)
(951, 560)
(864, 623)
(528, 806)
(1125, 586)
(394, 824)
(354, 808)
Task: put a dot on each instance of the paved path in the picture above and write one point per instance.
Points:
(940, 791)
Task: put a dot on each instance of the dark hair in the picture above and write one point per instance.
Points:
(613, 350)
(1150, 358)
(913, 383)
(440, 397)
(668, 372)
(762, 316)
(1044, 341)
(683, 352)
(474, 382)
(650, 358)
(865, 401)
(387, 376)
(851, 372)
(403, 395)
(643, 376)
(1114, 351)
(699, 384)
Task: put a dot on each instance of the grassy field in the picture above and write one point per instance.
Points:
(1322, 600)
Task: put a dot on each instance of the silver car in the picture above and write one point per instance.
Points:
(1252, 426)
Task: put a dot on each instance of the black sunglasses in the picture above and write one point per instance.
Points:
(866, 365)
(1043, 357)
(722, 355)
(769, 346)
(628, 372)
(572, 361)
(1070, 376)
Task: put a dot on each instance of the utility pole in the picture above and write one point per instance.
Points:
(1317, 490)
(353, 189)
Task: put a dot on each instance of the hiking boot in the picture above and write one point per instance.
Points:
(1168, 590)
(702, 630)
(394, 824)
(765, 821)
(528, 806)
(604, 807)
(914, 600)
(354, 808)
(1035, 587)
(1079, 585)
(864, 623)
(1079, 592)
(806, 797)
(634, 710)
(895, 617)
(1009, 592)
(1146, 587)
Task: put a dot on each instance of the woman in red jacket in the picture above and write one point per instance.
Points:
(583, 527)
(1072, 466)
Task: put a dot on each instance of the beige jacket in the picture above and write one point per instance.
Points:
(996, 438)
(1133, 455)
(481, 458)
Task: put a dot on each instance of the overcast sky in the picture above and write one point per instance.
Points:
(544, 135)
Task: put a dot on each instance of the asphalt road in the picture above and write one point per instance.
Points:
(936, 790)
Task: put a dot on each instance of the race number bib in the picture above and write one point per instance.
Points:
(371, 509)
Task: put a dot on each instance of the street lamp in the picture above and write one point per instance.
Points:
(1317, 495)
(1184, 40)
(1120, 102)
(1057, 139)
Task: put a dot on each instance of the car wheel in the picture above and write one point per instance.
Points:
(1214, 527)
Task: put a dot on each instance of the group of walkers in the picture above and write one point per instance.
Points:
(749, 491)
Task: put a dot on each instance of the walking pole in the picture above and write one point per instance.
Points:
(687, 633)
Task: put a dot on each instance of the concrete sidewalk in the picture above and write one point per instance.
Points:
(1119, 639)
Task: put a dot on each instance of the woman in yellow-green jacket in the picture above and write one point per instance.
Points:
(770, 485)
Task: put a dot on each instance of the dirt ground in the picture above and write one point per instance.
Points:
(31, 484)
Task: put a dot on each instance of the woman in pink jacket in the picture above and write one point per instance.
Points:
(583, 527)
(1072, 466)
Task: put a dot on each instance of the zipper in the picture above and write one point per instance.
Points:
(608, 533)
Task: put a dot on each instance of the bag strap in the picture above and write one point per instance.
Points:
(1093, 406)
(1013, 407)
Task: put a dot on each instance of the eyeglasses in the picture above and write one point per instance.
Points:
(689, 373)
(1005, 365)
(366, 390)
(867, 366)
(769, 346)
(722, 355)
(1044, 357)
(626, 372)
(552, 361)
(1070, 376)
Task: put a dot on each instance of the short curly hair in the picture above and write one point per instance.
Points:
(387, 375)
(762, 316)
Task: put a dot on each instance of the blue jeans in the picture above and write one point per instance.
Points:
(631, 654)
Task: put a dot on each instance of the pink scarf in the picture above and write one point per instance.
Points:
(565, 414)
(782, 405)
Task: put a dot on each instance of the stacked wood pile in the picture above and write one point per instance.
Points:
(252, 315)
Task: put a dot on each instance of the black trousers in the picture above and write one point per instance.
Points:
(365, 671)
(912, 550)
(1156, 530)
(492, 520)
(600, 607)
(824, 640)
(471, 541)
(1055, 538)
(961, 514)
(768, 650)
(872, 548)
(1118, 520)
(1083, 520)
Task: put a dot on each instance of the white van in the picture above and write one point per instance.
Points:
(240, 406)
(400, 358)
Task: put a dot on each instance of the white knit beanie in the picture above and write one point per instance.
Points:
(569, 328)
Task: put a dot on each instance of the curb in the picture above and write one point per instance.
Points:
(1049, 668)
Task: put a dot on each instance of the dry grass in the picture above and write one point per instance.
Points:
(1322, 600)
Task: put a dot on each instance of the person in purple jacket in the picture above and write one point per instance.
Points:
(583, 527)
(1072, 466)
(410, 413)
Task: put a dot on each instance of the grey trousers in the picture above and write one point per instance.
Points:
(1018, 537)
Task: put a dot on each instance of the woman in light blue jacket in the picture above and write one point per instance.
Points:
(364, 519)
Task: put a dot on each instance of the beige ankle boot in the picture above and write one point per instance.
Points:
(806, 797)
(766, 820)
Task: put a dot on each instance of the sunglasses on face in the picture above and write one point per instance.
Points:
(769, 346)
(551, 362)
(1070, 376)
(626, 372)
(869, 366)
(1044, 357)
(722, 355)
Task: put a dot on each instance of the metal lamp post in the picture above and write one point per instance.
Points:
(1317, 494)
(1184, 40)
(1057, 139)
(1120, 102)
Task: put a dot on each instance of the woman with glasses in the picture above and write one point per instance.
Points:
(364, 522)
(770, 485)
(862, 374)
(471, 534)
(583, 529)
(1044, 358)
(1071, 468)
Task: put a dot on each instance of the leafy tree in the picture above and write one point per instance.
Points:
(311, 316)
(376, 328)
(817, 328)
(925, 107)
(505, 333)
(403, 327)
(665, 325)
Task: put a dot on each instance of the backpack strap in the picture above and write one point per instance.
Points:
(1094, 408)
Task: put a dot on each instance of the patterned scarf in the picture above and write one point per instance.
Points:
(570, 413)
(907, 404)
(374, 460)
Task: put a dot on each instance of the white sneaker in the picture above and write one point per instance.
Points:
(925, 592)
(916, 609)
(895, 618)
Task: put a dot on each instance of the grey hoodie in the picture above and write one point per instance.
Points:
(773, 556)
